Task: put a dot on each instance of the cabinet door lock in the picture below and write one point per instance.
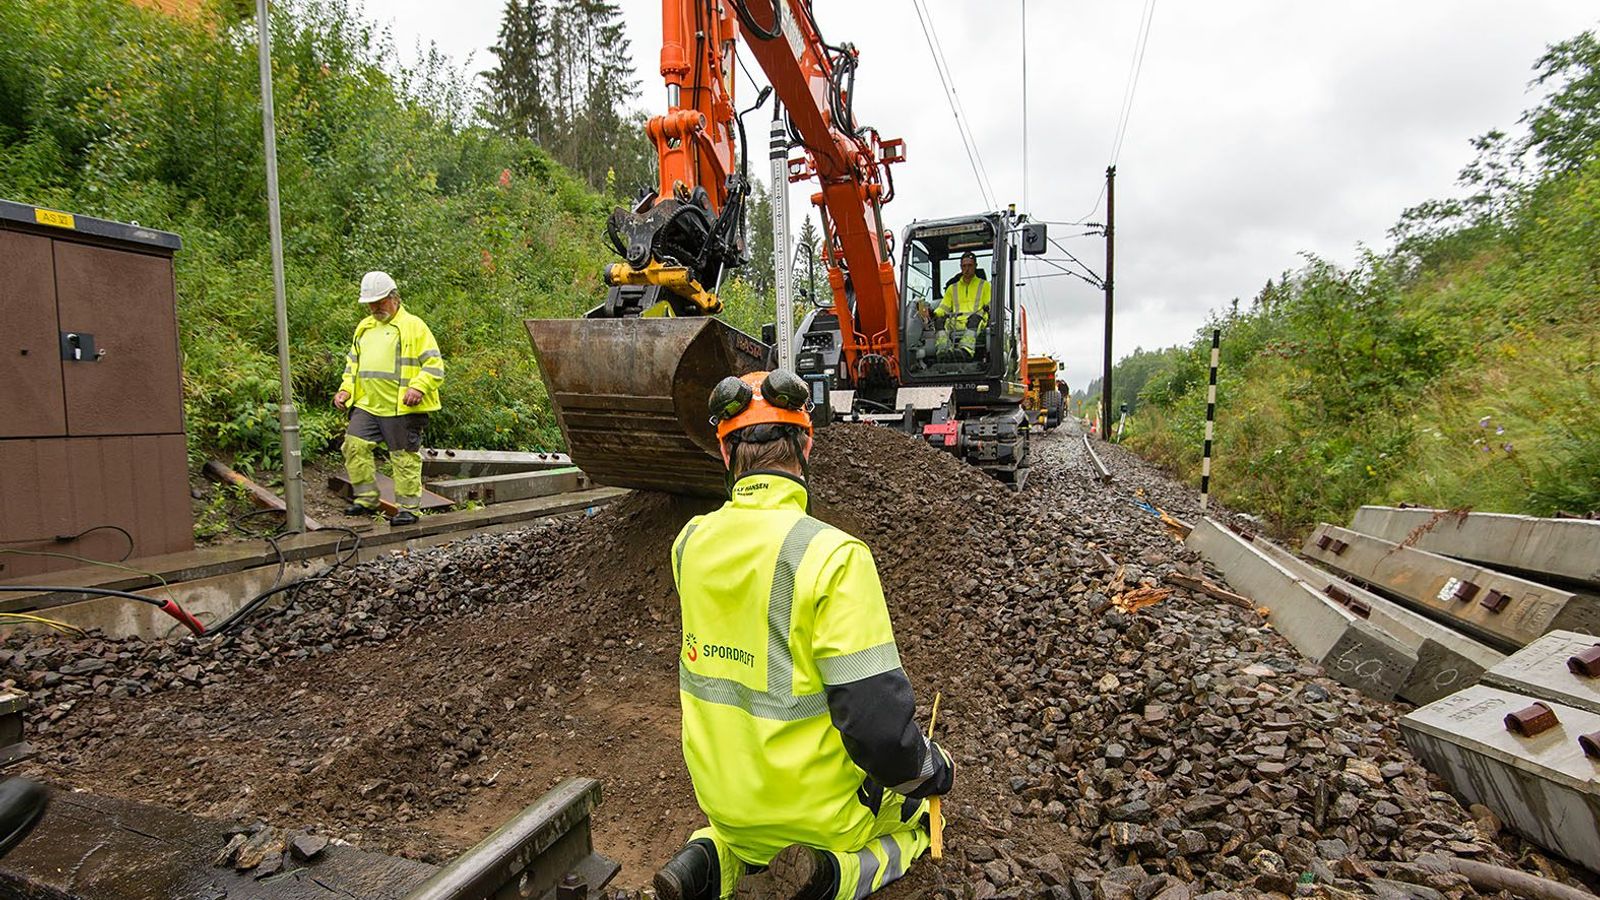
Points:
(78, 346)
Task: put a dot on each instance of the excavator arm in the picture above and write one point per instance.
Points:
(628, 383)
(815, 82)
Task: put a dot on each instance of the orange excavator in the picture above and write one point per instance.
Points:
(629, 381)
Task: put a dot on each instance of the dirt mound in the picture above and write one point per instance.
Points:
(415, 702)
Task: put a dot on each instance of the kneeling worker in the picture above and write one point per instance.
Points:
(799, 725)
(392, 375)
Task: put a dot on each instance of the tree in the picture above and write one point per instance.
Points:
(1564, 129)
(760, 272)
(808, 274)
(516, 86)
(1563, 135)
(565, 78)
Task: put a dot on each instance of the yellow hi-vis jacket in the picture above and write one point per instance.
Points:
(796, 712)
(386, 358)
(962, 300)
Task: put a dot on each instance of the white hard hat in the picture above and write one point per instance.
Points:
(375, 286)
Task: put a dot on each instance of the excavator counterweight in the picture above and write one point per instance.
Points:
(631, 395)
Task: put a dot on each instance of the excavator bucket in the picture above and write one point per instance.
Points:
(630, 395)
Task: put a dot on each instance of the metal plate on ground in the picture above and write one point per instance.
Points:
(98, 848)
(1542, 786)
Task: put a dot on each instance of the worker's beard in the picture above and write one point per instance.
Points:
(383, 315)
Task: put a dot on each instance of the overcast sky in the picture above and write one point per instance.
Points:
(1259, 128)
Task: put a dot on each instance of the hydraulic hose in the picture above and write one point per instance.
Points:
(170, 607)
(751, 25)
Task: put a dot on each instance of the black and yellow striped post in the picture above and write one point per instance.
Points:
(1211, 417)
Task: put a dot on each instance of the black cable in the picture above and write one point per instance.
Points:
(755, 29)
(170, 607)
(247, 611)
(125, 554)
(58, 589)
(69, 538)
(700, 12)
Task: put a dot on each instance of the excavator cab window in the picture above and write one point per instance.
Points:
(948, 313)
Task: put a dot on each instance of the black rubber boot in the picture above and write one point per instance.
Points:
(356, 509)
(404, 517)
(693, 873)
(22, 804)
(796, 873)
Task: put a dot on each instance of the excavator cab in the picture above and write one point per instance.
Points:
(949, 318)
(960, 378)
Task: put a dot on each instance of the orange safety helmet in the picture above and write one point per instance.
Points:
(779, 397)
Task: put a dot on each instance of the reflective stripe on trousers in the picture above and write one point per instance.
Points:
(883, 860)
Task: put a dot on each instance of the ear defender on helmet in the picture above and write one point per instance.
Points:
(779, 397)
(729, 398)
(785, 390)
(763, 406)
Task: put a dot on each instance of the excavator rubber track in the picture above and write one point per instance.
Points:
(630, 394)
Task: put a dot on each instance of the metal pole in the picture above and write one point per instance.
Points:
(1211, 416)
(780, 241)
(1025, 207)
(1111, 218)
(289, 419)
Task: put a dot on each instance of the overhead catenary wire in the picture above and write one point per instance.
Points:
(1025, 205)
(1125, 111)
(1097, 276)
(966, 121)
(935, 50)
(1136, 68)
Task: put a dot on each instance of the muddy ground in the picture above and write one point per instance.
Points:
(413, 703)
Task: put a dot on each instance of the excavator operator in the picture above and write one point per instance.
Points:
(963, 313)
(799, 725)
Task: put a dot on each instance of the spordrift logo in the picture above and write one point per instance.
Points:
(689, 644)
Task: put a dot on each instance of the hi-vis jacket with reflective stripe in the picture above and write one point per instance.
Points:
(796, 713)
(965, 299)
(385, 358)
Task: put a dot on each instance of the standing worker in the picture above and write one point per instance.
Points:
(799, 725)
(963, 311)
(391, 378)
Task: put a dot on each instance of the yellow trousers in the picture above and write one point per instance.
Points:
(889, 852)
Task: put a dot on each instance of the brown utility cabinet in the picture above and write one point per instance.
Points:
(91, 413)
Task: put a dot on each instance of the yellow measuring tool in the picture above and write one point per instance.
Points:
(935, 820)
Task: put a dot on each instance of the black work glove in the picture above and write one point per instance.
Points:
(942, 779)
(975, 321)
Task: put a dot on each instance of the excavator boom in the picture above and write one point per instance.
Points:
(629, 382)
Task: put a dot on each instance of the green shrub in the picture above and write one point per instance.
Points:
(110, 109)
